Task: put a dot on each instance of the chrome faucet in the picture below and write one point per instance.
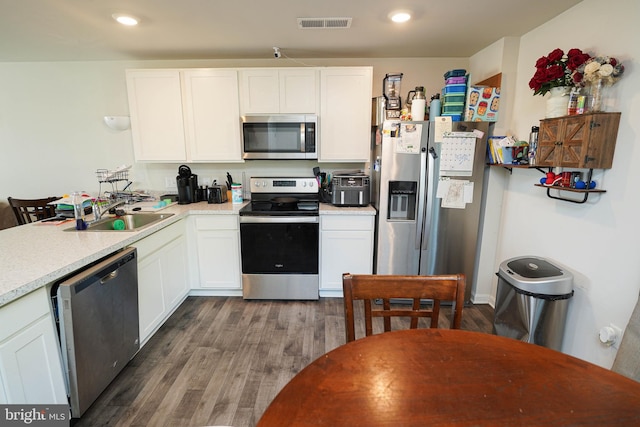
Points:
(98, 211)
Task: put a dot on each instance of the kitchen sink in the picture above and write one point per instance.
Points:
(132, 222)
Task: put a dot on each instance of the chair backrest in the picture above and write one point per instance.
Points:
(373, 289)
(30, 210)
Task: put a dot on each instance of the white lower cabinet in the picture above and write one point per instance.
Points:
(30, 361)
(346, 246)
(217, 251)
(163, 278)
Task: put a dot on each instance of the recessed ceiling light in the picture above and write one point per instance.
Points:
(126, 19)
(400, 16)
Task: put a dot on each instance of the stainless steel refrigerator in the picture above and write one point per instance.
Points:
(429, 198)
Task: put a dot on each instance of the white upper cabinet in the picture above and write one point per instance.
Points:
(155, 106)
(279, 91)
(194, 115)
(185, 115)
(211, 115)
(345, 114)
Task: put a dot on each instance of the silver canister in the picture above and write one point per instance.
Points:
(533, 145)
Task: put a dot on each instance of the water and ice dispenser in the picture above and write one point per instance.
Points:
(402, 200)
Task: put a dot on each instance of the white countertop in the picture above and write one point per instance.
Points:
(34, 255)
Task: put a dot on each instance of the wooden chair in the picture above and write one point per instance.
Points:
(370, 287)
(31, 210)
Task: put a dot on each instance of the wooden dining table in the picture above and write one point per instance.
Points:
(430, 377)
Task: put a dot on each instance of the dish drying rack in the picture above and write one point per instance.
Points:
(113, 177)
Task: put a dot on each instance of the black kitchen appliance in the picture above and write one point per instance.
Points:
(279, 239)
(350, 190)
(217, 194)
(187, 184)
(391, 92)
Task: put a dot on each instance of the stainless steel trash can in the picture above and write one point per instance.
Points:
(532, 300)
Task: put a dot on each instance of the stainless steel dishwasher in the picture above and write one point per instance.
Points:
(97, 311)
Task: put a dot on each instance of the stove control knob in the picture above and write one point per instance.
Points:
(304, 183)
(311, 183)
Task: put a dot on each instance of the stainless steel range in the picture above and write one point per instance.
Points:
(279, 235)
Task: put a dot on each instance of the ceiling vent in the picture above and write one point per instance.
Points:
(323, 23)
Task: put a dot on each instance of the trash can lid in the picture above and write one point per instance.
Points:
(536, 275)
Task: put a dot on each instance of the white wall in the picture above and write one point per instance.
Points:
(500, 57)
(598, 241)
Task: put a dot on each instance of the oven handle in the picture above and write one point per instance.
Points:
(279, 219)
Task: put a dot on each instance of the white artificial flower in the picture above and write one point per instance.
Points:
(591, 67)
(606, 70)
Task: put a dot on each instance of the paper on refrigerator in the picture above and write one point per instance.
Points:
(457, 153)
(410, 137)
(454, 193)
(406, 137)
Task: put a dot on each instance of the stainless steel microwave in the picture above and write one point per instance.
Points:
(282, 136)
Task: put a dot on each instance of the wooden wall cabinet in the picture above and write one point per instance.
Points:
(585, 141)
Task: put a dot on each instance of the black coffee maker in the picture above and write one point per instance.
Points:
(187, 183)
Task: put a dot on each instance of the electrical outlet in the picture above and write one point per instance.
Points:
(206, 182)
(616, 343)
(170, 182)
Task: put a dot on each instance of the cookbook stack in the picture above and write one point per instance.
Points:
(454, 94)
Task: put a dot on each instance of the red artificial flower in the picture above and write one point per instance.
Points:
(557, 69)
(555, 72)
(542, 62)
(577, 77)
(556, 55)
(576, 58)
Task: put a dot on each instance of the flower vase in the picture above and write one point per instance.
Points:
(597, 93)
(557, 102)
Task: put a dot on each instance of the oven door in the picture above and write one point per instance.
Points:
(280, 257)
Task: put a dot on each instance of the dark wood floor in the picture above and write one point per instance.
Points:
(220, 361)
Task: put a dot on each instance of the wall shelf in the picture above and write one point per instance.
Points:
(585, 193)
(510, 167)
(585, 141)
